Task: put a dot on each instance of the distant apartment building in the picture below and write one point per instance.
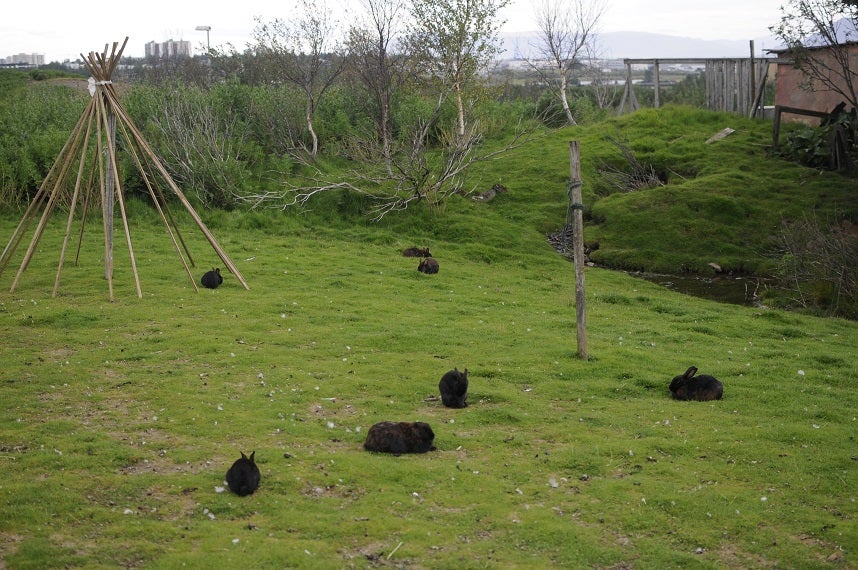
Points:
(168, 49)
(23, 60)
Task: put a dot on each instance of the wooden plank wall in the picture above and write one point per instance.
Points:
(732, 84)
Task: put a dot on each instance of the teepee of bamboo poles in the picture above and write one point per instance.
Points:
(86, 172)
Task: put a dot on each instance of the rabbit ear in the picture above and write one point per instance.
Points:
(690, 372)
(252, 457)
(243, 456)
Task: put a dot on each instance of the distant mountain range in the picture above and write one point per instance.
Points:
(644, 45)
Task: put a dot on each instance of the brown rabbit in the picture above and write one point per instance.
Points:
(400, 437)
(428, 265)
(416, 252)
(700, 388)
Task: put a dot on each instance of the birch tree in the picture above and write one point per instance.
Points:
(566, 31)
(451, 41)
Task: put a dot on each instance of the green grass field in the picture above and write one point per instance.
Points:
(118, 420)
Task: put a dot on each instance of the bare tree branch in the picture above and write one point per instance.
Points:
(378, 67)
(566, 29)
(418, 174)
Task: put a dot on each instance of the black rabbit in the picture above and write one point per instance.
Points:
(243, 477)
(400, 437)
(211, 279)
(700, 388)
(428, 265)
(454, 388)
(416, 252)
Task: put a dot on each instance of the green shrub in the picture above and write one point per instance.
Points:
(34, 126)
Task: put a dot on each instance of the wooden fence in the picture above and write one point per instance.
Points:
(733, 85)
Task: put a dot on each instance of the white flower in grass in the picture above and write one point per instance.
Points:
(801, 372)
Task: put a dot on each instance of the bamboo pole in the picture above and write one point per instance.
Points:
(578, 247)
(84, 214)
(106, 223)
(109, 118)
(72, 205)
(108, 189)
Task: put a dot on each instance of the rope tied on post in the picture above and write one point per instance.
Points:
(571, 189)
(92, 83)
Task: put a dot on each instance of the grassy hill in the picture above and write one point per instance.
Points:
(119, 420)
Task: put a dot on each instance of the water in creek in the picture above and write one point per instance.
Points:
(738, 290)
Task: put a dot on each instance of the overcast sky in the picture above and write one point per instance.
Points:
(63, 29)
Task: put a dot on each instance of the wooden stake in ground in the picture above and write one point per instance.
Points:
(577, 206)
(103, 120)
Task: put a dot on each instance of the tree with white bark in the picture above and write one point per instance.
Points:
(451, 42)
(566, 33)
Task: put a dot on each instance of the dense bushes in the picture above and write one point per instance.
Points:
(222, 138)
(819, 264)
(35, 122)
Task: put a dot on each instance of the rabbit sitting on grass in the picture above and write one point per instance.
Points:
(212, 279)
(243, 477)
(416, 252)
(701, 388)
(400, 437)
(454, 388)
(428, 265)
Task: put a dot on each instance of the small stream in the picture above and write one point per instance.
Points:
(734, 289)
(738, 290)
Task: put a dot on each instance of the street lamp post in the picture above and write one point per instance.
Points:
(206, 29)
